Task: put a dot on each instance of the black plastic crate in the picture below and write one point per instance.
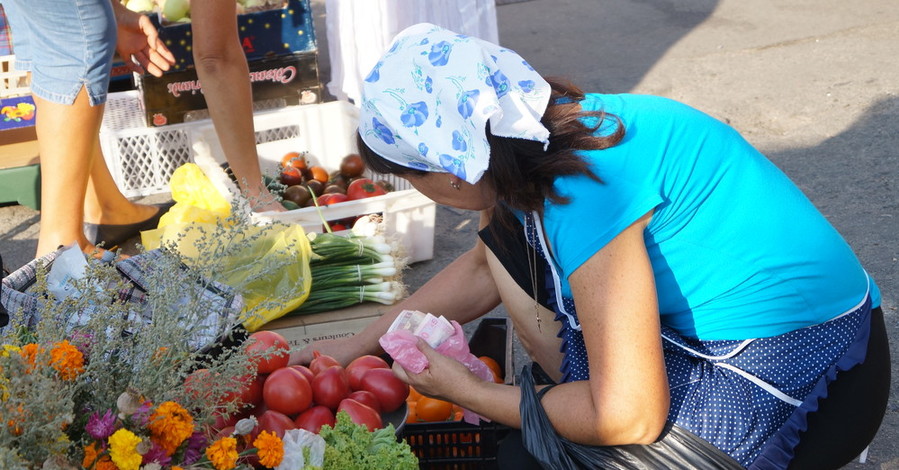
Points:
(456, 445)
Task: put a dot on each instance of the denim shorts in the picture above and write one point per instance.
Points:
(65, 44)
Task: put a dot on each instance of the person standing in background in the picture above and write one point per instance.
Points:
(68, 48)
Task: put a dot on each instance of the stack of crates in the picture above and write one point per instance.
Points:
(281, 53)
(147, 133)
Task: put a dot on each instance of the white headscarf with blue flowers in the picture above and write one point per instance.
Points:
(426, 103)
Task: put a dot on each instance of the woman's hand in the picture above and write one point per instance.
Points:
(444, 378)
(139, 44)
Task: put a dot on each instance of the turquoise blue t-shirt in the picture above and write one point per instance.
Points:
(736, 248)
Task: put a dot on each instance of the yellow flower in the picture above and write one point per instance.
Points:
(123, 449)
(269, 448)
(170, 425)
(4, 388)
(67, 360)
(9, 348)
(223, 453)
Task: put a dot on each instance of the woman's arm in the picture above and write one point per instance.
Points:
(615, 297)
(626, 399)
(222, 69)
(463, 291)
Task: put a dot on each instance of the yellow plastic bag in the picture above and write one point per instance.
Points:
(267, 264)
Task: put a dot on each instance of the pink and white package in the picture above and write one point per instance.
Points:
(401, 346)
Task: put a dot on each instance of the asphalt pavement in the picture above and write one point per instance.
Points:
(812, 84)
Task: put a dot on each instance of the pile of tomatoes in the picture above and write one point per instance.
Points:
(284, 397)
(423, 409)
(347, 183)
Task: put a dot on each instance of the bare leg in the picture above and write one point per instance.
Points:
(541, 344)
(68, 140)
(104, 203)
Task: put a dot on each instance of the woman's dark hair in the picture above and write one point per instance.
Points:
(521, 172)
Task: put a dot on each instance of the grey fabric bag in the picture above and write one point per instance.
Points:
(221, 304)
(676, 448)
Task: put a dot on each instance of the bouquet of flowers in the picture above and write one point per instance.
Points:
(92, 381)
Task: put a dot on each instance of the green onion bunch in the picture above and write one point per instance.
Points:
(352, 269)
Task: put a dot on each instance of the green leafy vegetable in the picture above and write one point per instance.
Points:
(350, 445)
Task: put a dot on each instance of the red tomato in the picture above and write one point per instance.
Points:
(314, 418)
(319, 173)
(269, 350)
(223, 421)
(366, 398)
(332, 198)
(287, 391)
(336, 227)
(226, 431)
(305, 371)
(390, 390)
(249, 390)
(330, 386)
(359, 366)
(321, 362)
(290, 176)
(361, 414)
(197, 384)
(294, 159)
(494, 367)
(273, 421)
(363, 188)
(352, 166)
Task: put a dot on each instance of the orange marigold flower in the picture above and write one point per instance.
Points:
(269, 448)
(67, 360)
(105, 463)
(30, 352)
(160, 353)
(16, 416)
(223, 453)
(170, 425)
(90, 455)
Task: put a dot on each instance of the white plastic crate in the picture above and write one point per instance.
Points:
(140, 158)
(12, 82)
(326, 132)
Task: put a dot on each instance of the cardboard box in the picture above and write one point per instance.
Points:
(263, 34)
(302, 330)
(291, 78)
(18, 147)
